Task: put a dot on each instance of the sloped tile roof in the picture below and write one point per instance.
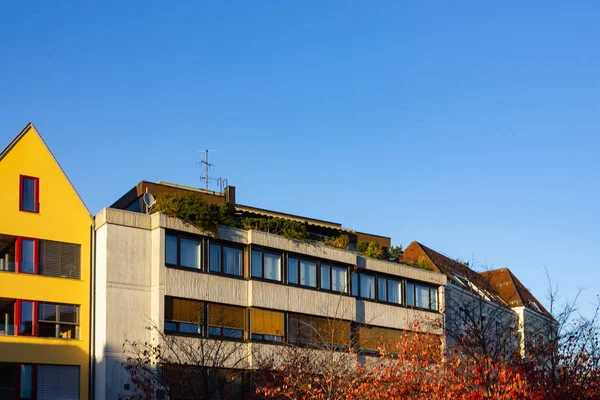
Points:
(458, 273)
(512, 291)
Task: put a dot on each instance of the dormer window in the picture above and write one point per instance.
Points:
(29, 199)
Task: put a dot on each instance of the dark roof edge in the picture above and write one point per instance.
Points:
(16, 139)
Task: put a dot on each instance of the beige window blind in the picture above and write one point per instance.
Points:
(225, 316)
(266, 322)
(183, 310)
(371, 338)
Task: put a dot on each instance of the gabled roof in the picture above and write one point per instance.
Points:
(506, 284)
(13, 143)
(457, 273)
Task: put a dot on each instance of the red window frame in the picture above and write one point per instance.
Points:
(19, 255)
(34, 317)
(36, 195)
(18, 382)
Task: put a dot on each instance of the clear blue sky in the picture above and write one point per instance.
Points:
(473, 127)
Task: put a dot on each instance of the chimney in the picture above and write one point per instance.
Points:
(230, 195)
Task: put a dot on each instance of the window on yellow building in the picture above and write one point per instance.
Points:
(8, 253)
(29, 194)
(58, 320)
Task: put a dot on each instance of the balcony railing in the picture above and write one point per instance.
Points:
(6, 265)
(7, 329)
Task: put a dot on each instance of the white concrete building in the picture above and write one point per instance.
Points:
(244, 286)
(490, 312)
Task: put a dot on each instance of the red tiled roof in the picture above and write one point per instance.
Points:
(456, 272)
(501, 284)
(506, 284)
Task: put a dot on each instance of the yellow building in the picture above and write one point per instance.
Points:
(45, 243)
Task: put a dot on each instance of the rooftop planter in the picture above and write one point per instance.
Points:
(208, 217)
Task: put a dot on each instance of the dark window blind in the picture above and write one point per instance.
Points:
(57, 382)
(60, 259)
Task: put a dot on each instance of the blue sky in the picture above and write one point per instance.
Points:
(472, 127)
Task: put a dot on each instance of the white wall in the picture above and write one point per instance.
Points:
(132, 281)
(483, 311)
(123, 301)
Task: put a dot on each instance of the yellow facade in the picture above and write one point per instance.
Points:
(62, 217)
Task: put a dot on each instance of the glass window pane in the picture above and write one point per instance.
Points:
(68, 332)
(68, 313)
(381, 287)
(46, 329)
(272, 266)
(422, 296)
(232, 261)
(394, 291)
(325, 282)
(257, 263)
(189, 253)
(27, 255)
(215, 257)
(367, 286)
(185, 327)
(338, 279)
(28, 201)
(26, 325)
(233, 333)
(170, 326)
(8, 255)
(433, 293)
(47, 312)
(171, 250)
(272, 338)
(26, 389)
(355, 284)
(410, 294)
(308, 273)
(293, 270)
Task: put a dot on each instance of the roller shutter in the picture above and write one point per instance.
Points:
(60, 259)
(57, 382)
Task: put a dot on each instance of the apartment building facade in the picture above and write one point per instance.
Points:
(45, 239)
(65, 314)
(535, 324)
(245, 286)
(494, 309)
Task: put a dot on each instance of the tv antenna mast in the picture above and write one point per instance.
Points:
(205, 169)
(205, 166)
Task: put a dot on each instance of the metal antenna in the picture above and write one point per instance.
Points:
(206, 166)
(221, 182)
(204, 163)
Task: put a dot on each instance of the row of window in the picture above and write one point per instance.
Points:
(269, 265)
(40, 257)
(39, 381)
(390, 290)
(232, 322)
(37, 318)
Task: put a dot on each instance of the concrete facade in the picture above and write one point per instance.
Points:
(133, 280)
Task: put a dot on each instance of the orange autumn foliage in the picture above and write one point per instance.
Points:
(416, 369)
